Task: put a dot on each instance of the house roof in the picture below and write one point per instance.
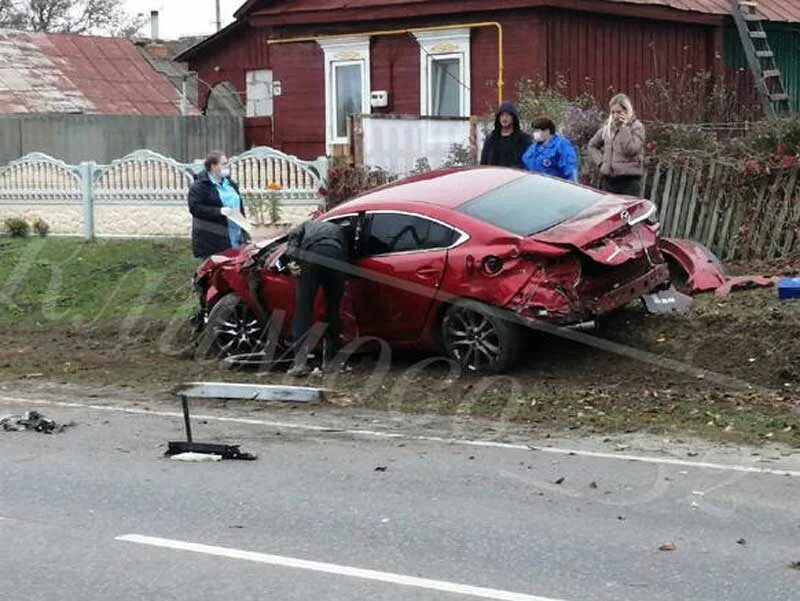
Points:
(189, 53)
(772, 10)
(68, 73)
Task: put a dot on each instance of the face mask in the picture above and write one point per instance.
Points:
(538, 135)
(226, 172)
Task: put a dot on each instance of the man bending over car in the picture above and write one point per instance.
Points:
(316, 250)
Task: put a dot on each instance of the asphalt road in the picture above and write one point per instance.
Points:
(97, 513)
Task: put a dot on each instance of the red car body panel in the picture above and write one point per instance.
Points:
(598, 260)
(701, 268)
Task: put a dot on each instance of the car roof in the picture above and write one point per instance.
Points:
(446, 188)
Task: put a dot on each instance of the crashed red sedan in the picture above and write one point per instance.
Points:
(457, 261)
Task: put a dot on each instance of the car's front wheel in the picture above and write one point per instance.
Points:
(232, 329)
(480, 338)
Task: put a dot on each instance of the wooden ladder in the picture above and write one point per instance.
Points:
(761, 58)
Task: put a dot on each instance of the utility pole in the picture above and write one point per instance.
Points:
(219, 17)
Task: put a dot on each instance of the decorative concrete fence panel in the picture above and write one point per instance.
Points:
(38, 186)
(144, 193)
(267, 176)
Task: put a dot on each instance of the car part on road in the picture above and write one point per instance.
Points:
(189, 446)
(250, 392)
(480, 338)
(222, 390)
(225, 451)
(196, 457)
(32, 420)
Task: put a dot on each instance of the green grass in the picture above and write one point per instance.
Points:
(109, 313)
(59, 281)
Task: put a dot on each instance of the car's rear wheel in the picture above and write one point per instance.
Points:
(232, 329)
(479, 338)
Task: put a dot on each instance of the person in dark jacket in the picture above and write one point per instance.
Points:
(506, 144)
(315, 249)
(212, 198)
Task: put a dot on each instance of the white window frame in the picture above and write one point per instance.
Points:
(440, 45)
(343, 52)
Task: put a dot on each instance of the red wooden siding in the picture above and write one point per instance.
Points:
(595, 53)
(229, 60)
(524, 51)
(395, 67)
(603, 55)
(258, 132)
(300, 109)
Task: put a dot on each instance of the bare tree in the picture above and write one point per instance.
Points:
(70, 16)
(10, 17)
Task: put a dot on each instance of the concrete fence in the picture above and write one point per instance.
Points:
(144, 193)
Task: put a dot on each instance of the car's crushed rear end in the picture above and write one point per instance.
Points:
(600, 261)
(579, 253)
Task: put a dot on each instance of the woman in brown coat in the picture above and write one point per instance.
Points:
(618, 149)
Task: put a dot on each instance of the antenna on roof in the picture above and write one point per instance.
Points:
(219, 17)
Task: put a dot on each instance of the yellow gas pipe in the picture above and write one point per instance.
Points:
(384, 32)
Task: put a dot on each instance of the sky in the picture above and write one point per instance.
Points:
(184, 17)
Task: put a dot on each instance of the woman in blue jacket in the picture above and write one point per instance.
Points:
(550, 153)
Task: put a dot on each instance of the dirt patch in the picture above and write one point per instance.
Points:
(726, 370)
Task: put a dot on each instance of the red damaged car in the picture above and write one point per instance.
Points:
(458, 261)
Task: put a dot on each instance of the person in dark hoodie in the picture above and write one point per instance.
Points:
(506, 144)
(212, 198)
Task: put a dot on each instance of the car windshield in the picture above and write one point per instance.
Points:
(530, 204)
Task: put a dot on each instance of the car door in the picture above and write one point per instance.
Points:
(402, 259)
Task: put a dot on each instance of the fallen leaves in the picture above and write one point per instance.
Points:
(668, 547)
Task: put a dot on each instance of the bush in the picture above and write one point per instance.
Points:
(777, 136)
(17, 227)
(41, 227)
(459, 156)
(691, 96)
(536, 98)
(421, 165)
(346, 181)
(580, 124)
(670, 138)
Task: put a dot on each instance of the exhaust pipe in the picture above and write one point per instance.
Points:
(584, 326)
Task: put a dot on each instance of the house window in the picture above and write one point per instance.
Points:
(346, 84)
(259, 93)
(445, 73)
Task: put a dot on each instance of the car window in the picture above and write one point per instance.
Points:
(396, 232)
(530, 204)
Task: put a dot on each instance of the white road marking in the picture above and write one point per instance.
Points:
(330, 568)
(747, 469)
